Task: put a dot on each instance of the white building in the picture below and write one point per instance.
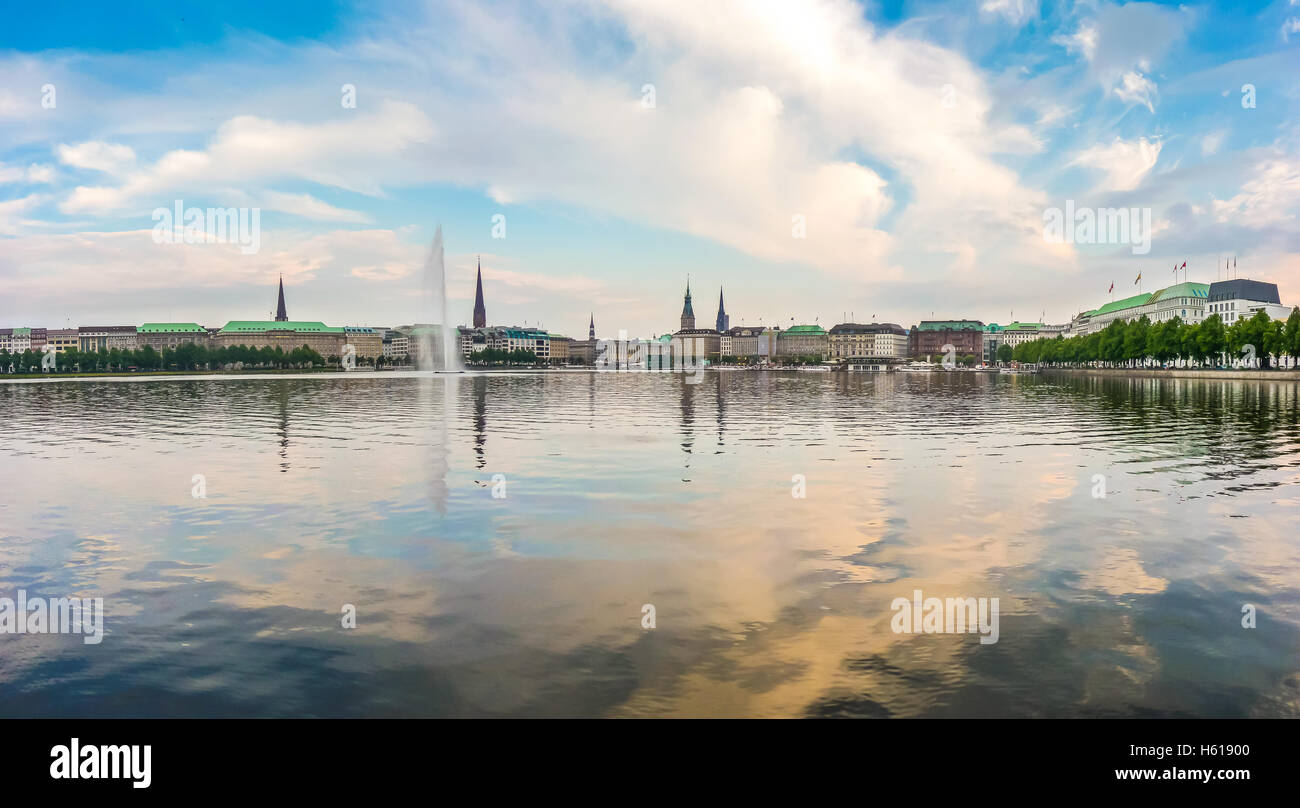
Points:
(1240, 298)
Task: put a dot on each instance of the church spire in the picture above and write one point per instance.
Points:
(724, 322)
(281, 315)
(688, 314)
(591, 327)
(480, 314)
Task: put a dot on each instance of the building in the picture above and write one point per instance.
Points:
(396, 345)
(1013, 334)
(559, 345)
(480, 313)
(875, 340)
(803, 340)
(700, 344)
(930, 336)
(1240, 298)
(366, 341)
(62, 339)
(101, 338)
(328, 341)
(515, 338)
(1187, 301)
(583, 352)
(723, 321)
(169, 335)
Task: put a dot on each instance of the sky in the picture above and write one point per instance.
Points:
(815, 160)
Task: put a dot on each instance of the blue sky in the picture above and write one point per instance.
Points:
(920, 145)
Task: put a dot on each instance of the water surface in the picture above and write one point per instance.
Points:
(377, 490)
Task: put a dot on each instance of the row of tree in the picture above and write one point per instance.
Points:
(187, 356)
(1257, 341)
(498, 356)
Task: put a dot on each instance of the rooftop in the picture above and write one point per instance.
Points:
(171, 328)
(1126, 303)
(1185, 289)
(256, 326)
(951, 325)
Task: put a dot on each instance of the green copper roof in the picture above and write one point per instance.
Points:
(257, 326)
(950, 325)
(1022, 326)
(1185, 289)
(171, 328)
(1126, 303)
(804, 329)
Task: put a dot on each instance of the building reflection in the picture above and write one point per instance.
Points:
(479, 390)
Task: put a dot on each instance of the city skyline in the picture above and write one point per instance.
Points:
(922, 193)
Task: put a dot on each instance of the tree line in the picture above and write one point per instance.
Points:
(500, 356)
(186, 356)
(1140, 343)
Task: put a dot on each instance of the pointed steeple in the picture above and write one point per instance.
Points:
(688, 314)
(724, 322)
(480, 314)
(591, 327)
(281, 315)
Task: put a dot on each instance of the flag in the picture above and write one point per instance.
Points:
(1112, 288)
(1138, 278)
(1184, 266)
(1175, 269)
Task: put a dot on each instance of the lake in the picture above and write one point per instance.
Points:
(633, 544)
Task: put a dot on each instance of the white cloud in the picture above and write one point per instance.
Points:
(1270, 197)
(1122, 42)
(309, 207)
(12, 211)
(1291, 26)
(1016, 12)
(1134, 88)
(109, 158)
(36, 173)
(1124, 163)
(357, 153)
(1211, 142)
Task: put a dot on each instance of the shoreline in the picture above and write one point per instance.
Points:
(1181, 373)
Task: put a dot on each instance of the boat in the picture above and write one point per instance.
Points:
(918, 367)
(1018, 370)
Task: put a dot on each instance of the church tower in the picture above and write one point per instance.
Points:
(591, 327)
(480, 314)
(724, 322)
(688, 315)
(281, 315)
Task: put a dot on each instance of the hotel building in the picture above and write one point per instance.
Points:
(875, 340)
(930, 336)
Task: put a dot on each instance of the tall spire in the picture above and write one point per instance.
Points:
(281, 315)
(591, 327)
(688, 314)
(724, 322)
(480, 314)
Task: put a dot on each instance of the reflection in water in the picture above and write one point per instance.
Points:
(281, 393)
(479, 387)
(960, 485)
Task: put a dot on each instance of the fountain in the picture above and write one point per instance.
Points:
(438, 345)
